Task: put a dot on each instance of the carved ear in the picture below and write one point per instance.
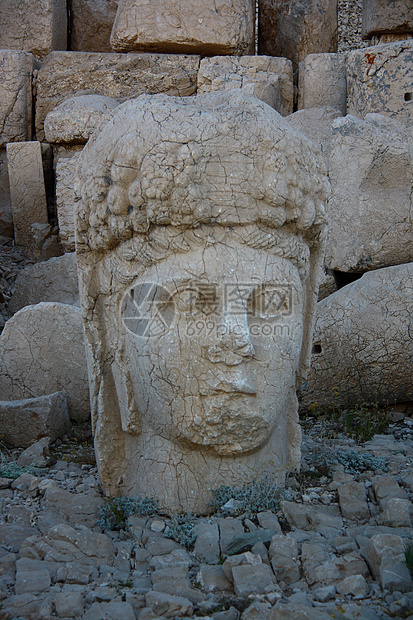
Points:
(129, 412)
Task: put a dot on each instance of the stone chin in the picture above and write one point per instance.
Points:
(228, 425)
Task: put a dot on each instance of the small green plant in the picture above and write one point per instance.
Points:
(353, 462)
(12, 470)
(360, 423)
(181, 529)
(252, 497)
(9, 467)
(114, 513)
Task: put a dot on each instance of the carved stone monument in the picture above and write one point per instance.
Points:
(200, 234)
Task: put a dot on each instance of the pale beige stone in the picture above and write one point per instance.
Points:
(25, 421)
(37, 26)
(73, 121)
(370, 207)
(316, 124)
(362, 346)
(185, 26)
(387, 16)
(65, 201)
(295, 28)
(379, 79)
(51, 280)
(15, 96)
(91, 25)
(41, 352)
(267, 78)
(28, 193)
(121, 76)
(323, 82)
(191, 203)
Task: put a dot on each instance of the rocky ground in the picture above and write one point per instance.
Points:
(332, 547)
(11, 262)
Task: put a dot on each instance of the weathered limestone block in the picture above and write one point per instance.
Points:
(52, 280)
(16, 70)
(41, 352)
(91, 25)
(168, 186)
(323, 82)
(185, 26)
(387, 17)
(379, 79)
(65, 544)
(370, 207)
(38, 26)
(316, 124)
(295, 28)
(65, 200)
(6, 217)
(387, 562)
(27, 191)
(65, 74)
(362, 344)
(267, 78)
(73, 121)
(22, 422)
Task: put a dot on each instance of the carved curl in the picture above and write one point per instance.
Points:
(223, 159)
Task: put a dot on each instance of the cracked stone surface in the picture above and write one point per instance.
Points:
(99, 16)
(24, 421)
(27, 192)
(267, 78)
(41, 352)
(362, 341)
(120, 76)
(73, 121)
(379, 79)
(16, 96)
(65, 200)
(322, 82)
(38, 27)
(196, 205)
(183, 26)
(370, 207)
(316, 124)
(295, 28)
(52, 280)
(390, 16)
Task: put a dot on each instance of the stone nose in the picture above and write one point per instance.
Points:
(232, 344)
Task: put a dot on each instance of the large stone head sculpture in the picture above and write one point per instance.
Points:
(200, 231)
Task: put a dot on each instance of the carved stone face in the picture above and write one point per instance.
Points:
(219, 372)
